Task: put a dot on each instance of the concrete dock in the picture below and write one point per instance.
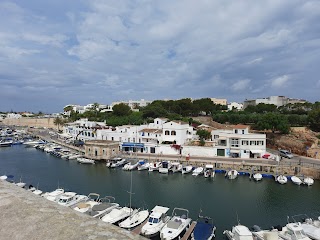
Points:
(24, 215)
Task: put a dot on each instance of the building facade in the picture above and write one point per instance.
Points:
(238, 142)
(220, 101)
(276, 100)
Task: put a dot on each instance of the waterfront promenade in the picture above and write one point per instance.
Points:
(25, 215)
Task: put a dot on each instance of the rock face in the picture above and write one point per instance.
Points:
(24, 215)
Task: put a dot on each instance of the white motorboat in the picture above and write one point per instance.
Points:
(209, 171)
(308, 181)
(116, 162)
(265, 234)
(186, 169)
(176, 225)
(131, 166)
(6, 143)
(239, 232)
(37, 192)
(106, 205)
(197, 171)
(311, 228)
(296, 180)
(156, 221)
(232, 174)
(21, 184)
(31, 143)
(165, 167)
(117, 214)
(54, 195)
(143, 165)
(134, 219)
(257, 177)
(3, 177)
(293, 231)
(154, 166)
(69, 199)
(176, 167)
(93, 199)
(85, 160)
(281, 179)
(74, 156)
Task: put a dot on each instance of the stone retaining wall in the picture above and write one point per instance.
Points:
(31, 122)
(24, 215)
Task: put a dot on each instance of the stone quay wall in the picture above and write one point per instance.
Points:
(24, 215)
(30, 122)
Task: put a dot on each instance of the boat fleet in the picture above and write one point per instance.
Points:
(306, 229)
(154, 223)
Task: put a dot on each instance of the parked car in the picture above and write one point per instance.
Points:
(285, 153)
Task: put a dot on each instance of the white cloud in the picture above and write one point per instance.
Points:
(241, 85)
(279, 81)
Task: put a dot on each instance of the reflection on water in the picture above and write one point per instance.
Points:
(264, 203)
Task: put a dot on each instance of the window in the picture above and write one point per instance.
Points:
(166, 132)
(103, 152)
(253, 143)
(111, 138)
(245, 142)
(234, 142)
(242, 131)
(153, 150)
(148, 134)
(96, 153)
(260, 143)
(216, 136)
(173, 133)
(120, 138)
(134, 139)
(235, 131)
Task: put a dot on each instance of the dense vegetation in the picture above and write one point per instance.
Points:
(261, 117)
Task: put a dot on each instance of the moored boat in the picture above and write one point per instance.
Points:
(85, 160)
(186, 169)
(308, 181)
(238, 232)
(296, 180)
(177, 224)
(232, 174)
(154, 166)
(204, 229)
(157, 219)
(257, 177)
(281, 179)
(197, 171)
(134, 219)
(208, 171)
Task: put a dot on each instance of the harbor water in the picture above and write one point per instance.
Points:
(228, 202)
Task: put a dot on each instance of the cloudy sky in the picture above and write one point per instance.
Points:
(54, 53)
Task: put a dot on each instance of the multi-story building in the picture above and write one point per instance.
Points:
(235, 106)
(238, 142)
(220, 101)
(134, 104)
(276, 100)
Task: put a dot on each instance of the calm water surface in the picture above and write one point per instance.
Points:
(264, 203)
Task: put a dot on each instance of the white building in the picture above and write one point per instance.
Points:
(13, 116)
(235, 105)
(134, 104)
(238, 143)
(276, 100)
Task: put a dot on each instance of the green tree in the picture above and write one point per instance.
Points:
(314, 120)
(204, 134)
(68, 108)
(58, 122)
(274, 122)
(121, 109)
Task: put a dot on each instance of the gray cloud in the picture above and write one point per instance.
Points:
(111, 50)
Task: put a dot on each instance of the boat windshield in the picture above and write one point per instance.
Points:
(153, 220)
(63, 200)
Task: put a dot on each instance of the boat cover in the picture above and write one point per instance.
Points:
(202, 230)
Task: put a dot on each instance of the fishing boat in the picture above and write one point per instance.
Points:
(143, 165)
(204, 229)
(208, 171)
(85, 160)
(54, 195)
(157, 219)
(93, 199)
(281, 179)
(197, 171)
(176, 167)
(165, 167)
(257, 177)
(186, 169)
(293, 231)
(259, 234)
(308, 181)
(177, 224)
(117, 214)
(296, 180)
(116, 162)
(232, 174)
(69, 199)
(134, 219)
(238, 232)
(105, 205)
(154, 166)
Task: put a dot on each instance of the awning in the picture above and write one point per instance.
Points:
(256, 151)
(133, 145)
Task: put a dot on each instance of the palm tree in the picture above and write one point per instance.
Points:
(58, 122)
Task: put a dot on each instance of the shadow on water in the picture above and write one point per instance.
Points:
(265, 203)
